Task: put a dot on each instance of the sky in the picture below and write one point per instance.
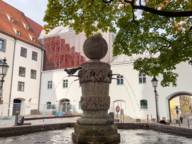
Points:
(34, 9)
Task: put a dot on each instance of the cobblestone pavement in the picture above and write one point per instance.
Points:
(9, 122)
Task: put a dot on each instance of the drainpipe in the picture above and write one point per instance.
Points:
(13, 64)
(41, 71)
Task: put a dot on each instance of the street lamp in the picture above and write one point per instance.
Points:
(154, 82)
(3, 71)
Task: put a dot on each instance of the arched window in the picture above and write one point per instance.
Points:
(143, 104)
(48, 105)
(120, 80)
(142, 78)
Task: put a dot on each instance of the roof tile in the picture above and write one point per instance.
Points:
(8, 27)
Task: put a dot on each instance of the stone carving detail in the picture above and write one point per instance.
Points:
(92, 103)
(95, 126)
(95, 75)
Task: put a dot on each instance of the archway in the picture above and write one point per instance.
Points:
(119, 109)
(17, 106)
(65, 106)
(179, 105)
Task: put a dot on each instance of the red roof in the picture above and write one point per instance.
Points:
(15, 24)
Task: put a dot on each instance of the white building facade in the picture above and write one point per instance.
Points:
(59, 93)
(22, 82)
(20, 46)
(25, 88)
(6, 42)
(135, 95)
(131, 92)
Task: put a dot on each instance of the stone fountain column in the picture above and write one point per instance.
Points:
(95, 125)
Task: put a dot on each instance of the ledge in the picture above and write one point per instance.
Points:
(22, 130)
(186, 132)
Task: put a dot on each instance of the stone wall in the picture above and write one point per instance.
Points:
(21, 130)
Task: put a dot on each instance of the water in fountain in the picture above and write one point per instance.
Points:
(127, 137)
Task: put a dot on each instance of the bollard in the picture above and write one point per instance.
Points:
(16, 118)
(188, 122)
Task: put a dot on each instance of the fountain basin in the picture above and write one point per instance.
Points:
(23, 130)
(136, 136)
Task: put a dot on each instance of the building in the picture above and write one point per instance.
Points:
(19, 44)
(63, 49)
(131, 92)
(134, 93)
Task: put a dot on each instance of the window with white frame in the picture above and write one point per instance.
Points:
(142, 78)
(23, 52)
(22, 71)
(49, 84)
(34, 55)
(33, 74)
(21, 86)
(2, 45)
(120, 80)
(65, 83)
(49, 106)
(143, 104)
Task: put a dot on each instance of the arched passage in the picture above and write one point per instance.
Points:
(119, 108)
(179, 104)
(64, 105)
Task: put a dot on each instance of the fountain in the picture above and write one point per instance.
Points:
(95, 125)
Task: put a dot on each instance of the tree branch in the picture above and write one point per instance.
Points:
(155, 11)
(164, 13)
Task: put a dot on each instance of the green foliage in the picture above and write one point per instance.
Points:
(161, 42)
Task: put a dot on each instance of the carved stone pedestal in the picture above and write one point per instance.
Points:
(95, 134)
(95, 126)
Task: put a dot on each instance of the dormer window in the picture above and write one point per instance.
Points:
(18, 33)
(11, 19)
(31, 37)
(26, 26)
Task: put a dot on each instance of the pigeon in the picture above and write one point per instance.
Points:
(72, 70)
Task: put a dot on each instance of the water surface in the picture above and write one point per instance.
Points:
(127, 137)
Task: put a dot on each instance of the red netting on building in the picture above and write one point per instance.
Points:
(60, 55)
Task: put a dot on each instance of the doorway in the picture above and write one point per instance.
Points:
(65, 105)
(180, 105)
(17, 103)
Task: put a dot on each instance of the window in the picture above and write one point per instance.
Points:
(21, 86)
(49, 105)
(142, 78)
(120, 80)
(23, 52)
(65, 83)
(33, 74)
(49, 85)
(143, 104)
(22, 71)
(2, 45)
(18, 33)
(34, 55)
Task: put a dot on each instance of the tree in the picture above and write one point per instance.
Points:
(160, 34)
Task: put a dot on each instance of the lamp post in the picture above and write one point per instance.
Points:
(3, 71)
(154, 82)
